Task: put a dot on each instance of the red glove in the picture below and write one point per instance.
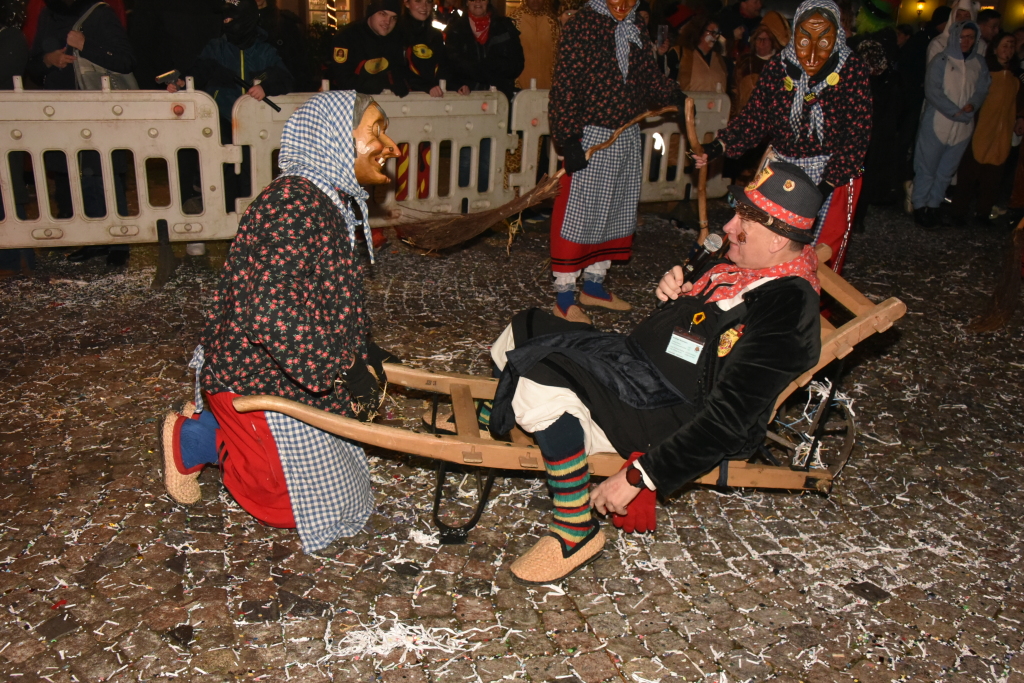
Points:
(639, 515)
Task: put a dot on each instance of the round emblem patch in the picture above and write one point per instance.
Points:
(788, 185)
(421, 51)
(832, 79)
(341, 55)
(375, 66)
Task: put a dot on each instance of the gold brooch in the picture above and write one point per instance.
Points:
(832, 79)
(787, 83)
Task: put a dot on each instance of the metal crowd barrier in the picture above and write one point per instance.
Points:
(106, 167)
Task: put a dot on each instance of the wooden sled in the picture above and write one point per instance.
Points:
(475, 448)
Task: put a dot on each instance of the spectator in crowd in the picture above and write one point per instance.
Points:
(815, 104)
(367, 56)
(34, 7)
(737, 23)
(284, 33)
(989, 24)
(903, 34)
(240, 53)
(701, 66)
(425, 63)
(1018, 35)
(881, 163)
(956, 85)
(669, 51)
(103, 41)
(13, 58)
(484, 50)
(169, 36)
(766, 42)
(981, 169)
(961, 11)
(538, 33)
(912, 62)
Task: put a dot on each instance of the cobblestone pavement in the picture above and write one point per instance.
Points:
(103, 578)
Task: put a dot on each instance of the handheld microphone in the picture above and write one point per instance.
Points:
(698, 257)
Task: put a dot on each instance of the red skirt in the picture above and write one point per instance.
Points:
(249, 462)
(835, 232)
(569, 257)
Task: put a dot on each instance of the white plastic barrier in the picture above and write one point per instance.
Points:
(452, 126)
(158, 132)
(152, 126)
(529, 117)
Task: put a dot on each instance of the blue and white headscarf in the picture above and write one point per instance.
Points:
(626, 32)
(317, 145)
(802, 87)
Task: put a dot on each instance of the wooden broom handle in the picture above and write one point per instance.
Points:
(635, 120)
(702, 177)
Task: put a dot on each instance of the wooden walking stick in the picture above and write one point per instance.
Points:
(1007, 293)
(696, 149)
(450, 230)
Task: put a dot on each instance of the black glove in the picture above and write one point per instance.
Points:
(714, 149)
(575, 157)
(363, 388)
(377, 356)
(825, 188)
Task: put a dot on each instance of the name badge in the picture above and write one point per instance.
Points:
(685, 345)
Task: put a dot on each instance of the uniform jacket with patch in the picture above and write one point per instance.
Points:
(363, 61)
(498, 62)
(423, 46)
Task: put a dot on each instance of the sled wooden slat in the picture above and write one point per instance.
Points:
(439, 382)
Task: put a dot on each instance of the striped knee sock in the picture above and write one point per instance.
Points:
(565, 460)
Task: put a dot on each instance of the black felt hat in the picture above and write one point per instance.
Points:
(789, 197)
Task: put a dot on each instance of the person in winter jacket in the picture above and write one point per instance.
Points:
(367, 56)
(955, 86)
(484, 50)
(103, 41)
(240, 53)
(423, 45)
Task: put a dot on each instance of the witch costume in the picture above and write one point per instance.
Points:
(821, 123)
(606, 75)
(287, 319)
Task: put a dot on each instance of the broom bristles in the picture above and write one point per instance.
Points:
(1007, 291)
(454, 229)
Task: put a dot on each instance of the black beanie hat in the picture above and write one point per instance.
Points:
(383, 6)
(241, 31)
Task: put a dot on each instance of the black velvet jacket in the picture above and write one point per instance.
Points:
(781, 340)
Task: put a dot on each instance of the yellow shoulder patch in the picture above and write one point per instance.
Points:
(375, 66)
(421, 51)
(341, 55)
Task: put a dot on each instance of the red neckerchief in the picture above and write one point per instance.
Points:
(481, 27)
(732, 279)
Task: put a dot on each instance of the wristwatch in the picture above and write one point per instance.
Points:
(635, 477)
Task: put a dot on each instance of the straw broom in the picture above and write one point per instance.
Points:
(449, 230)
(696, 149)
(1007, 293)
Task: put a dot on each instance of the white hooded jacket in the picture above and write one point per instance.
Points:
(938, 44)
(952, 82)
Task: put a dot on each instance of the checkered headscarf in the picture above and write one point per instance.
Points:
(802, 88)
(626, 32)
(317, 145)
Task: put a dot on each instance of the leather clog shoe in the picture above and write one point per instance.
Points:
(575, 314)
(543, 563)
(183, 488)
(613, 304)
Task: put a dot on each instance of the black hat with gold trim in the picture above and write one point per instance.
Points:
(786, 196)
